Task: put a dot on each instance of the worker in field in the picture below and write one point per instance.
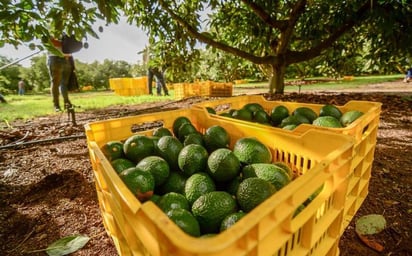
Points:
(61, 68)
(408, 76)
(21, 87)
(154, 72)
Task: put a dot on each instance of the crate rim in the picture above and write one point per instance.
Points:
(375, 106)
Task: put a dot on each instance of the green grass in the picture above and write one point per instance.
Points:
(29, 106)
(357, 82)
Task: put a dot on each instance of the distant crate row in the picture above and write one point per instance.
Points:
(204, 88)
(129, 86)
(138, 86)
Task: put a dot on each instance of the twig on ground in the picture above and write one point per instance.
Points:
(22, 242)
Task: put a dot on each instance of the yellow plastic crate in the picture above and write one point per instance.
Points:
(214, 89)
(364, 130)
(205, 88)
(129, 86)
(318, 157)
(123, 92)
(185, 90)
(139, 86)
(115, 83)
(240, 81)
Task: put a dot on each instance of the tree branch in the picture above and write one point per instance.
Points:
(265, 17)
(294, 15)
(203, 37)
(295, 57)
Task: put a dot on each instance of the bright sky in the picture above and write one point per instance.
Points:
(116, 42)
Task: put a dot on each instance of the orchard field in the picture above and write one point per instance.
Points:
(47, 189)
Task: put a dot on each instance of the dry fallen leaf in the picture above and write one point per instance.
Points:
(369, 225)
(371, 243)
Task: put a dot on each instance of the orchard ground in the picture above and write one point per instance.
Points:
(47, 189)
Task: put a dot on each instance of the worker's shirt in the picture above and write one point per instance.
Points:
(58, 45)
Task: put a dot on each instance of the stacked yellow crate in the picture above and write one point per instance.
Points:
(240, 81)
(139, 86)
(203, 88)
(214, 89)
(186, 90)
(115, 83)
(129, 86)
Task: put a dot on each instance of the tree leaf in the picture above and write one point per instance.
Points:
(370, 224)
(67, 245)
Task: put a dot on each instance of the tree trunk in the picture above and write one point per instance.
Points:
(276, 81)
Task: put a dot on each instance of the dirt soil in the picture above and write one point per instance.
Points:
(47, 186)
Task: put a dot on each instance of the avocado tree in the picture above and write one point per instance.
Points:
(37, 75)
(277, 33)
(274, 34)
(179, 62)
(221, 66)
(35, 21)
(8, 78)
